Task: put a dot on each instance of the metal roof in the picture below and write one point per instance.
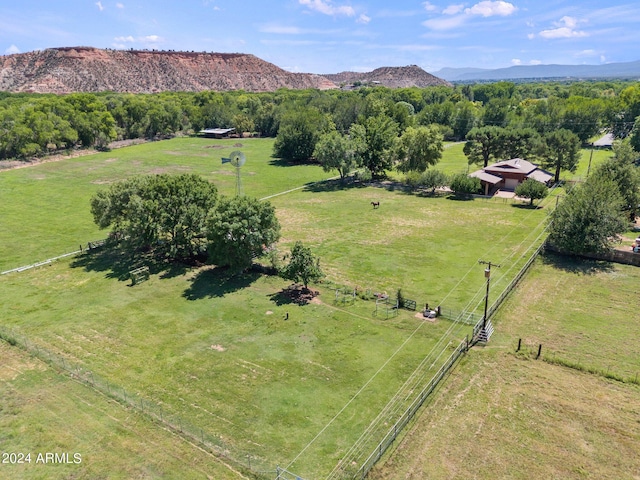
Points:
(486, 177)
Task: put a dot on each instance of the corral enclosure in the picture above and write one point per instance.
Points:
(218, 350)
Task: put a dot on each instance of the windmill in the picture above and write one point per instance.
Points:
(237, 159)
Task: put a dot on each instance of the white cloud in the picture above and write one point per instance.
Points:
(429, 7)
(535, 62)
(565, 29)
(531, 36)
(327, 8)
(603, 59)
(446, 23)
(149, 40)
(128, 39)
(489, 8)
(119, 5)
(457, 15)
(587, 53)
(11, 50)
(516, 61)
(363, 19)
(453, 9)
(99, 5)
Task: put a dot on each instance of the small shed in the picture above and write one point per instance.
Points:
(217, 132)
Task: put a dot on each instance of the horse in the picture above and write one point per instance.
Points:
(375, 204)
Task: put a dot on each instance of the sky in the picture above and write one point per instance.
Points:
(331, 36)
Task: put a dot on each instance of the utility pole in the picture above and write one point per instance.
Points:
(487, 275)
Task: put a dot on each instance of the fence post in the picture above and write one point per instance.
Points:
(539, 351)
(519, 344)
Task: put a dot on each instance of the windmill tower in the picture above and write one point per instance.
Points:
(237, 159)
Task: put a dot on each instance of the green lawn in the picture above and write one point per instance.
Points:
(45, 208)
(43, 412)
(218, 351)
(504, 414)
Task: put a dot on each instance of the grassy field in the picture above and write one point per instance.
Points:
(43, 412)
(45, 208)
(504, 414)
(217, 350)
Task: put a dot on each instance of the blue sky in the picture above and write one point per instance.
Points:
(330, 36)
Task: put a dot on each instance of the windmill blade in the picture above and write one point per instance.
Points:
(226, 160)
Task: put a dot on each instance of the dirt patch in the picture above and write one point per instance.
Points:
(217, 147)
(218, 348)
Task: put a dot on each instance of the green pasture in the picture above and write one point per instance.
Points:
(45, 208)
(44, 412)
(584, 314)
(218, 351)
(571, 414)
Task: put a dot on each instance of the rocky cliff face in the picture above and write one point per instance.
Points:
(86, 69)
(393, 77)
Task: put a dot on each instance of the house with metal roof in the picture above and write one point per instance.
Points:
(508, 174)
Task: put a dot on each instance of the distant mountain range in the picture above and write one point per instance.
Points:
(540, 72)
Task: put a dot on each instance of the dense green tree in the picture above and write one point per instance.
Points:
(523, 143)
(463, 185)
(303, 266)
(562, 151)
(589, 219)
(532, 189)
(418, 148)
(378, 137)
(298, 134)
(165, 214)
(240, 229)
(621, 170)
(339, 152)
(484, 144)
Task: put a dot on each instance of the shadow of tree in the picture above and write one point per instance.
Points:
(460, 198)
(117, 263)
(526, 206)
(333, 185)
(576, 264)
(293, 295)
(217, 282)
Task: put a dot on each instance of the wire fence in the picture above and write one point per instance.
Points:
(247, 462)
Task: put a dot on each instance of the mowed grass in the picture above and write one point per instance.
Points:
(217, 351)
(45, 208)
(222, 356)
(504, 414)
(44, 412)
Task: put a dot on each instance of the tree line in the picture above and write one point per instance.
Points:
(181, 218)
(37, 124)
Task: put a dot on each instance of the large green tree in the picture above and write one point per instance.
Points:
(484, 144)
(589, 219)
(339, 152)
(163, 214)
(303, 266)
(418, 148)
(299, 132)
(562, 151)
(241, 229)
(532, 189)
(378, 137)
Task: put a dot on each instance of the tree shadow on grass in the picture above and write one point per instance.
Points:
(576, 264)
(293, 295)
(460, 198)
(118, 263)
(526, 206)
(216, 282)
(333, 185)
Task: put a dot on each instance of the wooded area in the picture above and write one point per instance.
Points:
(34, 125)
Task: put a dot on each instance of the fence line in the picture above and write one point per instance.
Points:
(255, 465)
(39, 264)
(408, 414)
(345, 467)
